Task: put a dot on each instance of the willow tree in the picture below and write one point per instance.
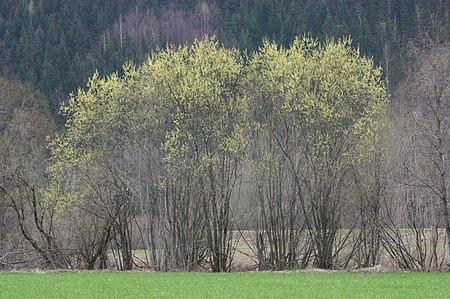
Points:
(207, 116)
(91, 168)
(318, 106)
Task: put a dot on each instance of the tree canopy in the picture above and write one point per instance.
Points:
(191, 112)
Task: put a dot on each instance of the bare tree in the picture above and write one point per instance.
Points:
(23, 178)
(417, 222)
(430, 101)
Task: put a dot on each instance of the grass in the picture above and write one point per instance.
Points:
(225, 285)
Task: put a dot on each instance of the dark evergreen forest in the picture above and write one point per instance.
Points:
(57, 44)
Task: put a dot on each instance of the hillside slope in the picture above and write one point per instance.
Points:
(56, 45)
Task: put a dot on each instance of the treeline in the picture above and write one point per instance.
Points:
(56, 45)
(290, 156)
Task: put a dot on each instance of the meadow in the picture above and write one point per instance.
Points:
(225, 285)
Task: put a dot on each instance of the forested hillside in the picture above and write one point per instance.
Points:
(57, 45)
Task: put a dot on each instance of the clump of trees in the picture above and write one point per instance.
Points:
(205, 119)
(203, 148)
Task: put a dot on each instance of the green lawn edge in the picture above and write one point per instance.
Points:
(225, 285)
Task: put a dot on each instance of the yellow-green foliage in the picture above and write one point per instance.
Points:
(99, 121)
(206, 103)
(192, 103)
(189, 99)
(200, 96)
(330, 96)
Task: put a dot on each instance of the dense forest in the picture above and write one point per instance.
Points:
(57, 45)
(225, 135)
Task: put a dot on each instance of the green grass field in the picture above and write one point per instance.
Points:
(225, 285)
